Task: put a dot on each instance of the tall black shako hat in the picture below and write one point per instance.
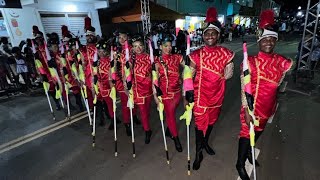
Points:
(266, 25)
(53, 38)
(137, 37)
(66, 35)
(104, 45)
(212, 20)
(36, 32)
(165, 37)
(90, 31)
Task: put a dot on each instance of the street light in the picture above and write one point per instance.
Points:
(70, 8)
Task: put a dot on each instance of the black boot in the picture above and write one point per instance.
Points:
(99, 113)
(128, 129)
(256, 137)
(168, 134)
(199, 147)
(148, 136)
(72, 108)
(244, 145)
(177, 143)
(58, 106)
(111, 126)
(105, 107)
(206, 146)
(79, 102)
(136, 120)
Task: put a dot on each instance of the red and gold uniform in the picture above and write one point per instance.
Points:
(41, 53)
(87, 53)
(69, 80)
(267, 73)
(170, 83)
(120, 87)
(209, 83)
(104, 86)
(142, 87)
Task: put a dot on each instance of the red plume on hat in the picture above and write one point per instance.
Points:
(64, 30)
(266, 19)
(212, 15)
(87, 23)
(35, 29)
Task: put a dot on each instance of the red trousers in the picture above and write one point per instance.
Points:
(204, 117)
(109, 103)
(144, 110)
(170, 106)
(245, 129)
(124, 109)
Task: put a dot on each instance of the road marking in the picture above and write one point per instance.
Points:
(39, 131)
(37, 134)
(249, 166)
(291, 44)
(299, 92)
(240, 49)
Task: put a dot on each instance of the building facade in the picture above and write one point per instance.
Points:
(49, 16)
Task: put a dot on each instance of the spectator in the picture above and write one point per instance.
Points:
(174, 43)
(8, 61)
(315, 56)
(181, 42)
(230, 33)
(21, 67)
(283, 30)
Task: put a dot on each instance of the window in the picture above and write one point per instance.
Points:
(52, 22)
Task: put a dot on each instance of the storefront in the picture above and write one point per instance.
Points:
(192, 23)
(49, 16)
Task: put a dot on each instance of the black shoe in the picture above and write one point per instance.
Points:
(136, 120)
(244, 145)
(72, 108)
(128, 129)
(102, 123)
(58, 107)
(111, 126)
(199, 147)
(148, 135)
(168, 134)
(118, 120)
(206, 146)
(177, 144)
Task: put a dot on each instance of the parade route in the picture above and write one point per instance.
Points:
(62, 149)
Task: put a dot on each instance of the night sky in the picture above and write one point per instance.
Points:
(294, 4)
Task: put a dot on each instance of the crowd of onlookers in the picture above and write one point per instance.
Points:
(17, 68)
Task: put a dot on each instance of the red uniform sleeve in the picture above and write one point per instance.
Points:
(195, 56)
(286, 63)
(229, 54)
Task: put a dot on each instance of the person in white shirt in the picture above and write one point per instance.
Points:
(21, 66)
(155, 39)
(283, 30)
(173, 43)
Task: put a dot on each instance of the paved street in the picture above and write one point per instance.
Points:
(289, 145)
